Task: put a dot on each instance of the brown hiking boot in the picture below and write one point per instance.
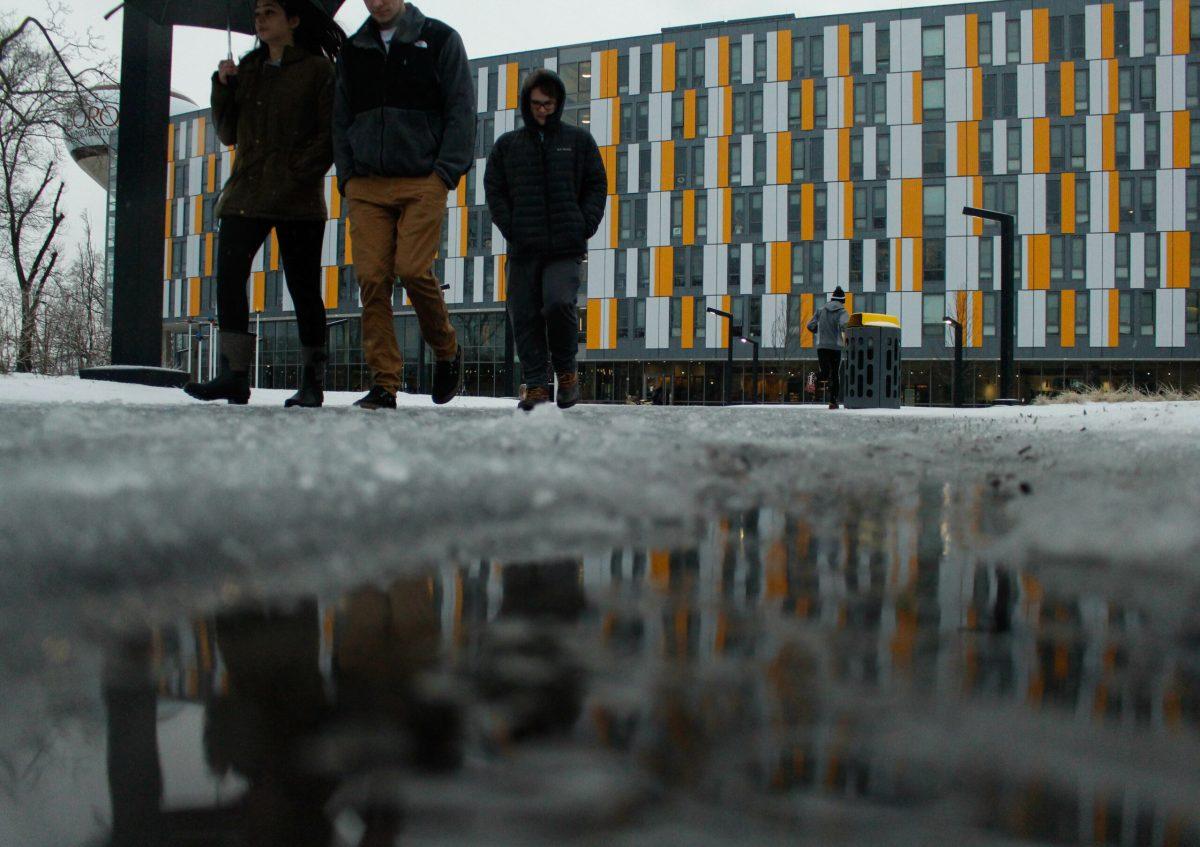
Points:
(534, 396)
(568, 389)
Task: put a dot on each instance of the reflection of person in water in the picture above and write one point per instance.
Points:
(526, 672)
(275, 705)
(134, 775)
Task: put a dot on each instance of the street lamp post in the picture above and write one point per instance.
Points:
(727, 382)
(956, 392)
(1008, 295)
(746, 340)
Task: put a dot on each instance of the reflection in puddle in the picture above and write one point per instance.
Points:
(812, 675)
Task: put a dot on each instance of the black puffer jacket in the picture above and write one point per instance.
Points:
(546, 186)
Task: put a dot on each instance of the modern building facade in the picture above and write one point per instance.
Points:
(754, 165)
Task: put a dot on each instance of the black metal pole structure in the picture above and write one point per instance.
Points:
(728, 381)
(956, 388)
(141, 174)
(1008, 295)
(754, 371)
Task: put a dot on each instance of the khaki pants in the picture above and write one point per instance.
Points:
(396, 224)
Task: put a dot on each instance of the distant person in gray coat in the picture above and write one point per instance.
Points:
(829, 325)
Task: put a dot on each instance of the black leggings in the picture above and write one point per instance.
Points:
(300, 249)
(831, 371)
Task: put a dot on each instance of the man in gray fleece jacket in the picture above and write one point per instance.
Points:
(403, 136)
(829, 325)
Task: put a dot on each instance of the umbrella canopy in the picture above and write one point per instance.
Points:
(237, 15)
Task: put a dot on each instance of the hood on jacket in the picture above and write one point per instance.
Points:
(834, 305)
(547, 80)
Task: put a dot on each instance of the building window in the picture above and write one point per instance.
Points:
(1150, 254)
(933, 99)
(985, 42)
(1150, 29)
(676, 219)
(1014, 149)
(1192, 312)
(756, 214)
(1193, 86)
(1121, 32)
(816, 55)
(879, 207)
(759, 264)
(1057, 148)
(883, 154)
(701, 216)
(1008, 108)
(1078, 258)
(1053, 91)
(1053, 202)
(879, 102)
(989, 314)
(642, 124)
(883, 262)
(934, 207)
(639, 318)
(799, 60)
(760, 59)
(1083, 305)
(1012, 32)
(934, 153)
(1122, 258)
(883, 50)
(699, 321)
(733, 267)
(935, 260)
(856, 263)
(1124, 316)
(1057, 258)
(701, 114)
(1053, 312)
(676, 317)
(1151, 145)
(1081, 90)
(735, 61)
(797, 266)
(860, 209)
(794, 110)
(1147, 88)
(820, 106)
(1078, 147)
(799, 159)
(820, 209)
(1058, 45)
(735, 161)
(856, 52)
(856, 157)
(1083, 196)
(933, 317)
(1147, 200)
(740, 213)
(677, 113)
(986, 157)
(987, 259)
(1121, 142)
(1078, 45)
(1193, 205)
(1125, 89)
(1196, 140)
(933, 47)
(862, 91)
(760, 161)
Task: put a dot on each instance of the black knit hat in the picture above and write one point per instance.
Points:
(838, 294)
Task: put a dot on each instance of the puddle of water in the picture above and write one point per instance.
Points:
(828, 674)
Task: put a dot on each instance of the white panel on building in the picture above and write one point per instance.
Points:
(1137, 29)
(747, 57)
(747, 160)
(550, 63)
(958, 83)
(956, 43)
(635, 71)
(831, 154)
(894, 208)
(596, 75)
(910, 319)
(910, 45)
(868, 39)
(909, 153)
(1094, 160)
(771, 121)
(830, 41)
(635, 166)
(999, 147)
(835, 216)
(655, 76)
(1026, 37)
(870, 152)
(956, 263)
(868, 272)
(499, 245)
(895, 100)
(712, 62)
(772, 58)
(1170, 316)
(478, 295)
(1092, 32)
(481, 91)
(1137, 259)
(1098, 94)
(746, 269)
(1137, 141)
(1099, 200)
(999, 48)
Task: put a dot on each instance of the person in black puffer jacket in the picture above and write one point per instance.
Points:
(546, 189)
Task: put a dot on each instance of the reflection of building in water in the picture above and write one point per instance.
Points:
(879, 598)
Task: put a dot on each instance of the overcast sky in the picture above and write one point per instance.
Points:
(487, 28)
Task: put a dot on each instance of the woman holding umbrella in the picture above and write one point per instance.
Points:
(276, 106)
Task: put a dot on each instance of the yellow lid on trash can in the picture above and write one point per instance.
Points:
(873, 319)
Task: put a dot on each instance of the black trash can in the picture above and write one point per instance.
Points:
(871, 363)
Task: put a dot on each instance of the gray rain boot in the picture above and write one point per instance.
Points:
(232, 381)
(312, 380)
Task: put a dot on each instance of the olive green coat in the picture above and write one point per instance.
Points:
(281, 119)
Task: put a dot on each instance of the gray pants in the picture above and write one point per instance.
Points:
(541, 306)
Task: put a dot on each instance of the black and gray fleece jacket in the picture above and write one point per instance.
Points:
(408, 110)
(546, 186)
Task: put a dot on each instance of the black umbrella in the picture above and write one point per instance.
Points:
(234, 15)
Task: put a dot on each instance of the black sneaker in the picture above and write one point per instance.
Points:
(377, 398)
(447, 378)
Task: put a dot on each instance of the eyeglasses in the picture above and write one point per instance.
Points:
(544, 105)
